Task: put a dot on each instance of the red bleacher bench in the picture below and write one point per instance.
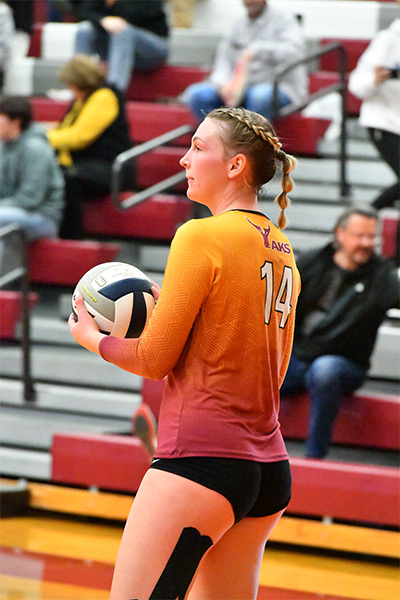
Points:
(109, 462)
(10, 311)
(321, 79)
(353, 48)
(167, 81)
(352, 492)
(156, 218)
(364, 420)
(63, 262)
(390, 223)
(147, 120)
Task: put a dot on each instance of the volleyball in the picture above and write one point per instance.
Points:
(118, 296)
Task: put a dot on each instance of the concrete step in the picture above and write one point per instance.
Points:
(78, 400)
(321, 193)
(356, 149)
(327, 170)
(33, 428)
(68, 366)
(29, 464)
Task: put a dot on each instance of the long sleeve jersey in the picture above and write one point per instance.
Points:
(222, 332)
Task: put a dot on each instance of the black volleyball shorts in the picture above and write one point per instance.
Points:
(254, 489)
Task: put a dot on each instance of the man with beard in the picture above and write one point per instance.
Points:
(346, 291)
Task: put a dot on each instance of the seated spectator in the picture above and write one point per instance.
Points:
(376, 81)
(93, 132)
(259, 45)
(346, 291)
(31, 181)
(127, 35)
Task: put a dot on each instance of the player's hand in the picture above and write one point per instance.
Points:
(155, 289)
(84, 328)
(113, 24)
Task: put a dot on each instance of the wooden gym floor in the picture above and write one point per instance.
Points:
(48, 557)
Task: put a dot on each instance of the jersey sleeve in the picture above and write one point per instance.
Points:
(188, 278)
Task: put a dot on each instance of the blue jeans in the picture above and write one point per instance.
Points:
(34, 224)
(202, 98)
(132, 48)
(327, 379)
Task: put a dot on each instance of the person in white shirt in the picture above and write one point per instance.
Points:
(260, 44)
(376, 81)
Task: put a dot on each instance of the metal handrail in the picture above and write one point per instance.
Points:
(340, 87)
(124, 157)
(22, 273)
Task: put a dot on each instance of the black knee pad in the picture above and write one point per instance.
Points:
(181, 566)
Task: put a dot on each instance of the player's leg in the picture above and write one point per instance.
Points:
(231, 567)
(172, 523)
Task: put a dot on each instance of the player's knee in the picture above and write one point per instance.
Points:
(182, 565)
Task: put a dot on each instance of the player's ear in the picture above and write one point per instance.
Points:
(236, 165)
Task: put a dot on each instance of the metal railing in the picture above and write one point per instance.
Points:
(21, 273)
(340, 86)
(127, 156)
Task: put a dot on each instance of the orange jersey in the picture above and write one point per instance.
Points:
(222, 331)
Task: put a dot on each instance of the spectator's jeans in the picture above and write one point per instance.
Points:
(327, 379)
(202, 98)
(132, 48)
(35, 225)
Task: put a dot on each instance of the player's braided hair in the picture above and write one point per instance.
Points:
(253, 134)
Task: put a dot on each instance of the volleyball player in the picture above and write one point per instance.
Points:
(222, 333)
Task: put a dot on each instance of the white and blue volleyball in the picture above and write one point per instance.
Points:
(118, 296)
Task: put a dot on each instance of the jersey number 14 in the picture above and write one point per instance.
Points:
(283, 300)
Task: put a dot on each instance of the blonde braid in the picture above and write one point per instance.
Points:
(288, 161)
(283, 200)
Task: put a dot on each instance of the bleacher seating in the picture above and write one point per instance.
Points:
(63, 262)
(10, 311)
(111, 462)
(350, 492)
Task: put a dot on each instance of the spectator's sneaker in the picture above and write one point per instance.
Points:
(145, 427)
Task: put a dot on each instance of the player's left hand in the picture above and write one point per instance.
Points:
(84, 328)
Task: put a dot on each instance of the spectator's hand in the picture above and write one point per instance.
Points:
(381, 74)
(113, 24)
(227, 94)
(84, 329)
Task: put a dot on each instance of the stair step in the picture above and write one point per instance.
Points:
(68, 366)
(72, 399)
(34, 428)
(30, 464)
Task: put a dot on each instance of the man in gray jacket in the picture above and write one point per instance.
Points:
(260, 44)
(31, 182)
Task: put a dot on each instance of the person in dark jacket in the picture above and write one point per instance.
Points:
(127, 34)
(93, 132)
(346, 291)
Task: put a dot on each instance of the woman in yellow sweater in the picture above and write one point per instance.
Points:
(93, 132)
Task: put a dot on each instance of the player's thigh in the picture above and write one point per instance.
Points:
(165, 505)
(230, 569)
